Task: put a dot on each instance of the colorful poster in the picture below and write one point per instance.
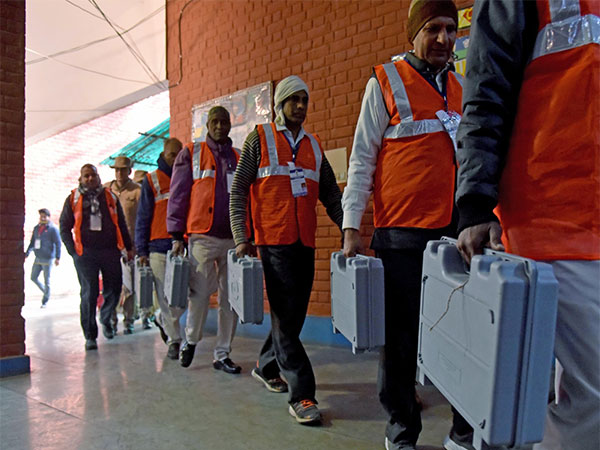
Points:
(460, 51)
(464, 17)
(247, 108)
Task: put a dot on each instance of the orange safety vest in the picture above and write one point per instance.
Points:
(414, 178)
(160, 184)
(202, 198)
(549, 192)
(278, 217)
(77, 208)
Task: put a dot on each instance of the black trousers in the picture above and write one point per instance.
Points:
(89, 266)
(289, 273)
(398, 358)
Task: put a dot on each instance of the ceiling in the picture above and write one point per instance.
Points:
(86, 58)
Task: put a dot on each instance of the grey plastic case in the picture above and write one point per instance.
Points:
(177, 279)
(486, 340)
(144, 282)
(358, 301)
(245, 284)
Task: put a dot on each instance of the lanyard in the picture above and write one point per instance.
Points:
(294, 148)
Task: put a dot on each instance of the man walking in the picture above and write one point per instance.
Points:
(93, 229)
(128, 193)
(152, 241)
(45, 243)
(403, 154)
(284, 171)
(199, 206)
(529, 143)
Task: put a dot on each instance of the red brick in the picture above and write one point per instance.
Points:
(12, 349)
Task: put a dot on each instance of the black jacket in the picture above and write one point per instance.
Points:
(93, 240)
(502, 37)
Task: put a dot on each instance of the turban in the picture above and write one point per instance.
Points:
(284, 89)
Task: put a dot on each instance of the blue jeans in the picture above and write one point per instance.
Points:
(45, 265)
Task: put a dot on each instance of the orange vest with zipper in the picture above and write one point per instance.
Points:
(279, 218)
(77, 208)
(414, 178)
(160, 184)
(549, 193)
(202, 197)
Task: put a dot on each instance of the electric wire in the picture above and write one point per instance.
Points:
(88, 70)
(180, 46)
(138, 57)
(83, 9)
(97, 41)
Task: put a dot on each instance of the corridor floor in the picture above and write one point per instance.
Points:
(129, 395)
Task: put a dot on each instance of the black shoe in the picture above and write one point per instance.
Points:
(274, 384)
(90, 344)
(186, 354)
(146, 323)
(107, 331)
(128, 329)
(227, 365)
(173, 352)
(305, 411)
(163, 335)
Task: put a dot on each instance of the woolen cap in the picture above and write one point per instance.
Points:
(422, 11)
(122, 162)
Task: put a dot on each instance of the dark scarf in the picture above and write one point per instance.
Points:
(90, 197)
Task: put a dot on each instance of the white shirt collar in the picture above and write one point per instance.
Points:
(289, 134)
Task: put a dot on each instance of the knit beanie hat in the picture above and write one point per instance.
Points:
(421, 11)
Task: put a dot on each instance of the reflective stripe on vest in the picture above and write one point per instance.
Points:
(567, 30)
(413, 182)
(549, 191)
(158, 225)
(158, 196)
(202, 196)
(279, 218)
(198, 174)
(275, 169)
(408, 126)
(111, 204)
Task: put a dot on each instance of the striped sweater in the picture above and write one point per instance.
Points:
(245, 174)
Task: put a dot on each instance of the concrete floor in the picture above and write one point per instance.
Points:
(128, 395)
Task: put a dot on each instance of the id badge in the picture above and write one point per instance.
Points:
(95, 222)
(229, 181)
(450, 121)
(37, 244)
(298, 181)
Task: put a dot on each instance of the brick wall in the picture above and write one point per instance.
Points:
(332, 45)
(12, 200)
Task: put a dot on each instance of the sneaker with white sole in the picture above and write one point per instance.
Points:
(451, 443)
(305, 411)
